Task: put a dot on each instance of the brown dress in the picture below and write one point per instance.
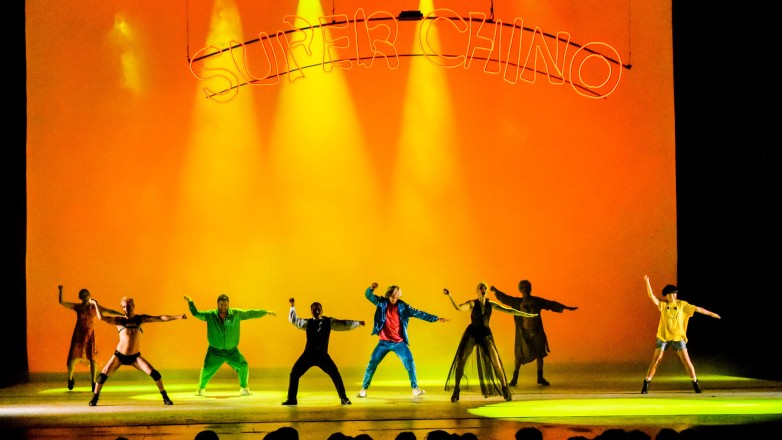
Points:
(83, 344)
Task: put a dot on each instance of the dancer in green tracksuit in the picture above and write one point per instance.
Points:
(222, 333)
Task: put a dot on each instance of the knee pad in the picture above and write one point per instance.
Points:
(155, 375)
(102, 378)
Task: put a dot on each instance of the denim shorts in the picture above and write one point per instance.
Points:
(676, 345)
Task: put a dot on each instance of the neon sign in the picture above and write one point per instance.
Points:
(510, 51)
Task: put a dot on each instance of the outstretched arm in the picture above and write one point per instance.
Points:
(107, 311)
(502, 296)
(464, 307)
(706, 312)
(512, 311)
(650, 292)
(162, 318)
(345, 324)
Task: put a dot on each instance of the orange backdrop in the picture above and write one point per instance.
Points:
(420, 176)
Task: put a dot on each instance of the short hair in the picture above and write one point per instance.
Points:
(390, 291)
(482, 284)
(525, 286)
(127, 299)
(670, 288)
(83, 293)
(316, 304)
(223, 297)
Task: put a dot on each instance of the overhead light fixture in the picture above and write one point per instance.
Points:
(410, 15)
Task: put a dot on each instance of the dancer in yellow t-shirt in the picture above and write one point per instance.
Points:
(672, 330)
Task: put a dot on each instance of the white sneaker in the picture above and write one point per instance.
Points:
(199, 392)
(244, 391)
(362, 393)
(418, 392)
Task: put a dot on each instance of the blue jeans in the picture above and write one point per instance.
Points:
(381, 350)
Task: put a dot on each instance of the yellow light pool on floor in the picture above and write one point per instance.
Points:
(538, 409)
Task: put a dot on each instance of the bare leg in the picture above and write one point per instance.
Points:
(468, 348)
(94, 373)
(143, 365)
(516, 366)
(71, 363)
(685, 358)
(499, 372)
(658, 356)
(110, 368)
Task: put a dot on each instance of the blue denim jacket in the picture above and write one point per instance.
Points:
(404, 309)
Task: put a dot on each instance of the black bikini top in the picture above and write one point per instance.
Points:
(131, 323)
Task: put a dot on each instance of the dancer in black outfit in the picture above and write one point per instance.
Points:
(491, 374)
(316, 351)
(128, 350)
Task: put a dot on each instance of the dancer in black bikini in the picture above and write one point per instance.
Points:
(127, 352)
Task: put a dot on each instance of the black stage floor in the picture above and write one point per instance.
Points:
(582, 400)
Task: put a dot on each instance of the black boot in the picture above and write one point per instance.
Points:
(71, 383)
(541, 380)
(645, 387)
(166, 400)
(696, 386)
(94, 400)
(290, 401)
(514, 380)
(345, 401)
(455, 395)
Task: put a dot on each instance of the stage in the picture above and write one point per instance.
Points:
(582, 400)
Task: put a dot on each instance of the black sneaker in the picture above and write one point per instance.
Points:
(290, 402)
(696, 386)
(166, 400)
(645, 387)
(542, 381)
(345, 401)
(94, 400)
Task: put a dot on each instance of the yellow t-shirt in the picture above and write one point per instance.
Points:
(674, 317)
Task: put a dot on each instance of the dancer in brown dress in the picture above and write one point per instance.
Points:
(531, 341)
(83, 347)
